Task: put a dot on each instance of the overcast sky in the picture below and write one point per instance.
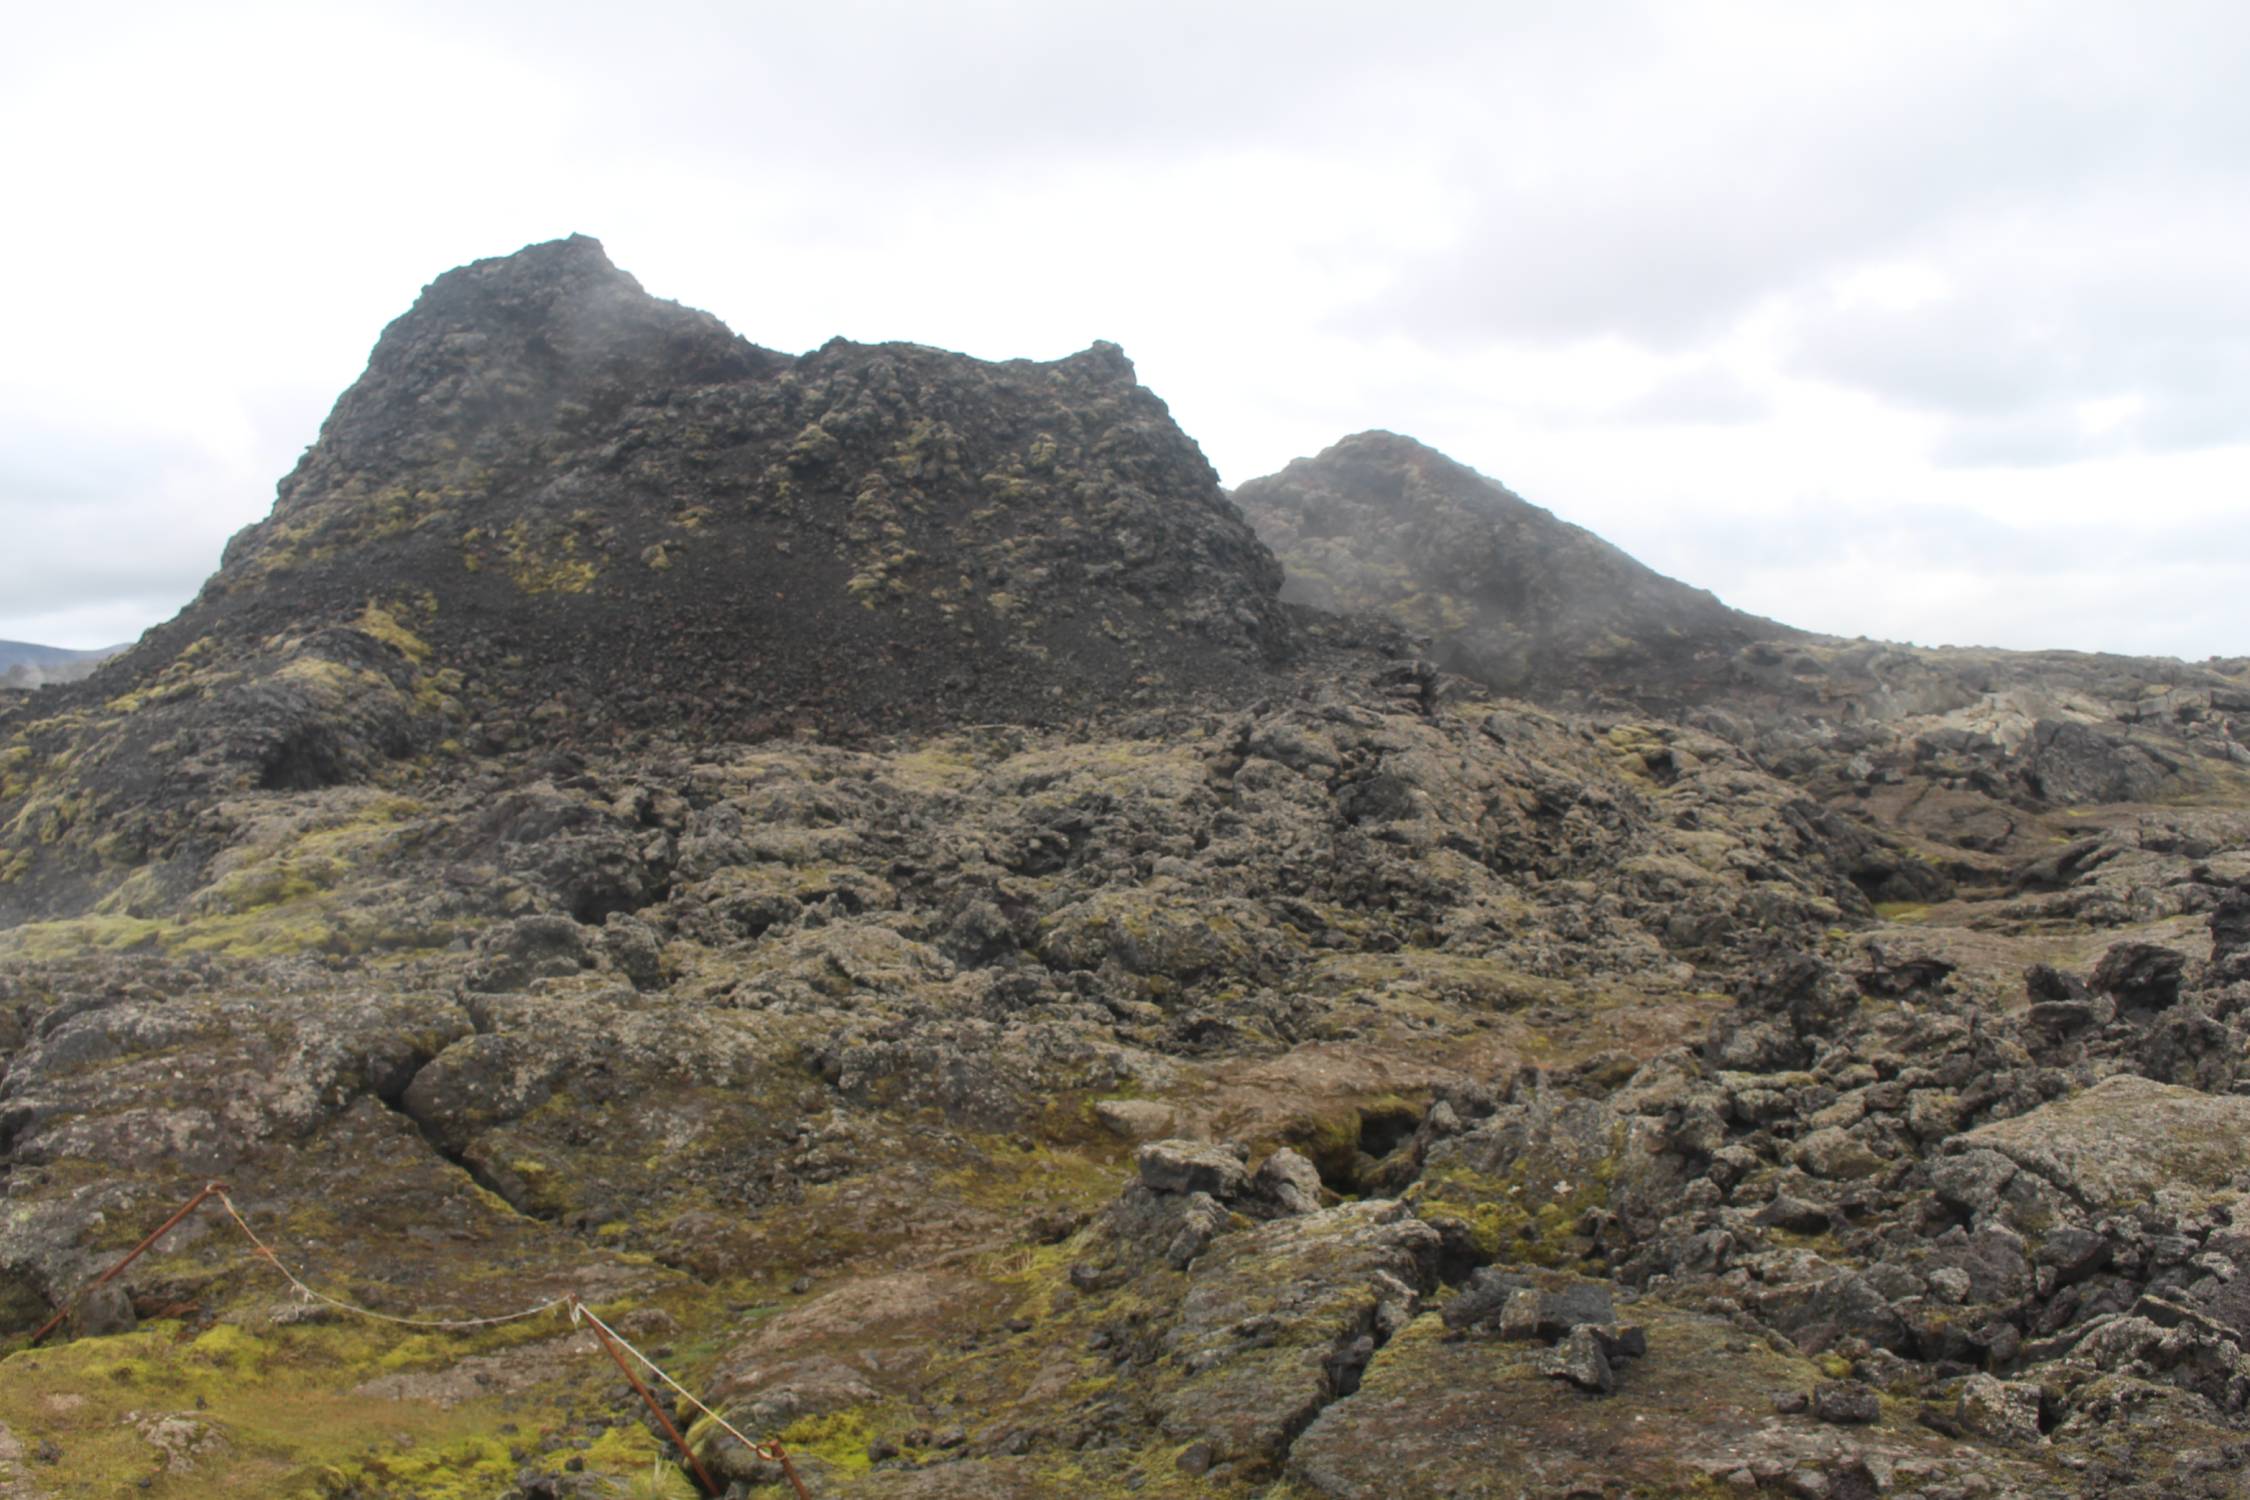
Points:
(1923, 321)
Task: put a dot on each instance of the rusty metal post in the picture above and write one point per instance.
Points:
(790, 1469)
(609, 1347)
(210, 1189)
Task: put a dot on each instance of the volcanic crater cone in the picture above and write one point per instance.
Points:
(556, 508)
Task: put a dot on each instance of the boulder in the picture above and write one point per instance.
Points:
(1177, 1166)
(2140, 975)
(1281, 1319)
(2001, 1410)
(1845, 1402)
(1288, 1181)
(1479, 1419)
(2118, 1143)
(1581, 1360)
(104, 1309)
(1836, 1154)
(1137, 1119)
(1549, 1314)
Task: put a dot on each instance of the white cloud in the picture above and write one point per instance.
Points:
(1683, 273)
(1702, 394)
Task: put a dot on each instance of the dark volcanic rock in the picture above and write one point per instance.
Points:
(1949, 745)
(671, 525)
(1845, 1401)
(2140, 975)
(1510, 595)
(847, 860)
(1186, 1167)
(556, 509)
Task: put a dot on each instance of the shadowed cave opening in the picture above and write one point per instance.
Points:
(305, 759)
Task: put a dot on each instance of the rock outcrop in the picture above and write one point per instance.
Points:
(1957, 749)
(848, 865)
(1506, 592)
(559, 510)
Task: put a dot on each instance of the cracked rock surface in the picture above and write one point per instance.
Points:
(852, 865)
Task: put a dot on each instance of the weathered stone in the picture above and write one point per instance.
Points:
(1836, 1154)
(1548, 1314)
(183, 1441)
(1487, 1293)
(1950, 1284)
(2119, 1142)
(1258, 1369)
(1620, 1341)
(1994, 1259)
(2073, 1252)
(2004, 1411)
(2230, 925)
(1845, 1401)
(1581, 1360)
(2140, 975)
(1200, 1219)
(635, 949)
(1443, 1417)
(104, 1309)
(1797, 1215)
(1137, 1119)
(528, 949)
(1177, 1166)
(1932, 1114)
(1288, 1181)
(1828, 1305)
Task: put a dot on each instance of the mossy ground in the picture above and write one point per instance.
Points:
(335, 1405)
(298, 887)
(1514, 1219)
(283, 928)
(286, 1403)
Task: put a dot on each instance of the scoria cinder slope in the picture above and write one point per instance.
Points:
(851, 865)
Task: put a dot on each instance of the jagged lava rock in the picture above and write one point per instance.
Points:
(1510, 594)
(445, 879)
(556, 509)
(868, 533)
(2117, 1143)
(1955, 745)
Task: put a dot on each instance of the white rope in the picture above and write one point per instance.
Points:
(579, 1310)
(313, 1294)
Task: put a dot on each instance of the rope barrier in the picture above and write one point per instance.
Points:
(772, 1453)
(611, 1340)
(265, 1252)
(210, 1189)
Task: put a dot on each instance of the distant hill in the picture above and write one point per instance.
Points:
(1949, 744)
(25, 665)
(1507, 592)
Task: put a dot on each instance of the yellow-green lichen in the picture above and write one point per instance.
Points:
(1516, 1218)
